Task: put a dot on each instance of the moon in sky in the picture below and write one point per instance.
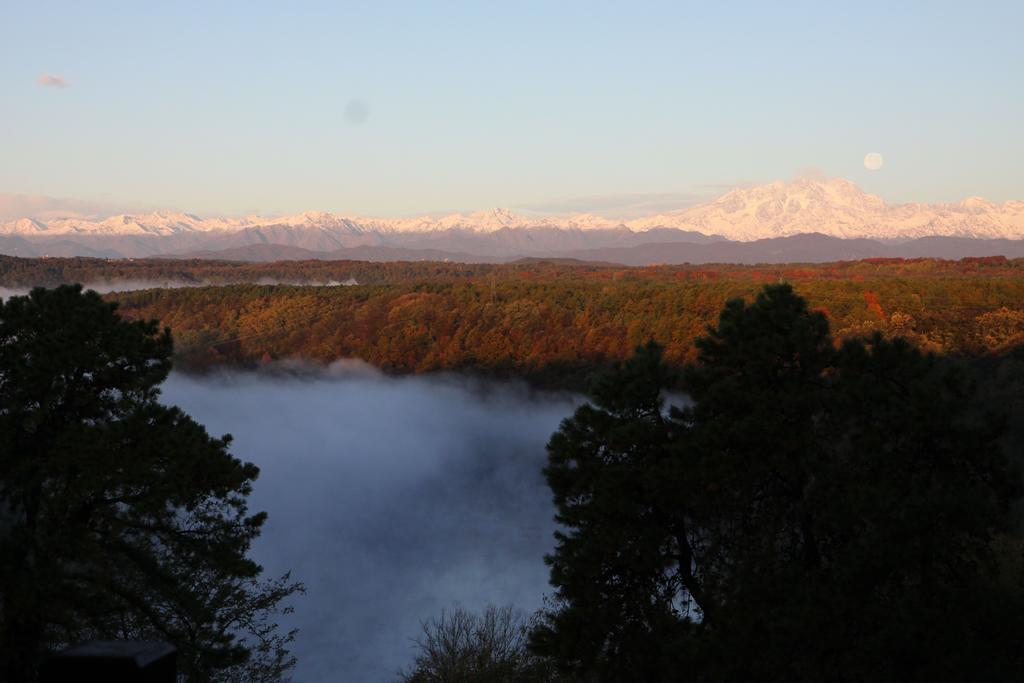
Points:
(873, 161)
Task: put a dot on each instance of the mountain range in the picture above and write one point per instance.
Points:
(803, 220)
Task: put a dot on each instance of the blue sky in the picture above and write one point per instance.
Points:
(400, 108)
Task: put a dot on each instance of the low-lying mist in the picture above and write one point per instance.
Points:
(390, 498)
(136, 285)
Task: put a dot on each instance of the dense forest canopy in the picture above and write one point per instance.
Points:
(48, 272)
(553, 322)
(812, 513)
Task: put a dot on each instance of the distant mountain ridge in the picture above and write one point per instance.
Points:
(839, 208)
(833, 208)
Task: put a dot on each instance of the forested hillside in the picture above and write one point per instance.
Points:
(557, 323)
(552, 321)
(16, 272)
(29, 272)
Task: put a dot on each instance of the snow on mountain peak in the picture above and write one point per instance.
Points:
(838, 208)
(831, 206)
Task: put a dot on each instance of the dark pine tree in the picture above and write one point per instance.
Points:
(619, 606)
(121, 517)
(812, 513)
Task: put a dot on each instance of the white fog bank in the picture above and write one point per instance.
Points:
(390, 498)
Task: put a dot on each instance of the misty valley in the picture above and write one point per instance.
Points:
(390, 498)
(532, 342)
(544, 471)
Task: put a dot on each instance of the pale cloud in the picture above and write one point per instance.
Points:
(628, 205)
(812, 173)
(52, 81)
(620, 205)
(13, 206)
(716, 189)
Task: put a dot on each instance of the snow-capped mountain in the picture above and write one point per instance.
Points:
(839, 208)
(171, 223)
(156, 223)
(833, 207)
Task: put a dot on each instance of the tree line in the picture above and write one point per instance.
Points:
(121, 518)
(819, 508)
(556, 330)
(20, 272)
(814, 512)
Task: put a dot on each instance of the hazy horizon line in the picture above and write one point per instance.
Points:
(611, 206)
